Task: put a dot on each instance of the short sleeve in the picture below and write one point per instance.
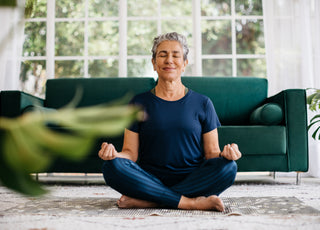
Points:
(134, 127)
(211, 120)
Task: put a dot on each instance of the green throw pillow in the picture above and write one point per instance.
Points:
(267, 114)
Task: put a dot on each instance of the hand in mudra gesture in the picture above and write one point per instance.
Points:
(231, 152)
(107, 152)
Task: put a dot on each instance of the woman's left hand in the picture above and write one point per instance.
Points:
(231, 152)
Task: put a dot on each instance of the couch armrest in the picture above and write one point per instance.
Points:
(294, 105)
(12, 103)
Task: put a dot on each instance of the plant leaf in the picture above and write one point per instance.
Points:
(315, 117)
(315, 133)
(20, 182)
(70, 146)
(310, 98)
(22, 153)
(16, 180)
(29, 145)
(312, 124)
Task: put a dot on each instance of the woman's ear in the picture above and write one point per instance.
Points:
(185, 65)
(154, 64)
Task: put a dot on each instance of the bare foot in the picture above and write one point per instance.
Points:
(202, 203)
(199, 203)
(128, 202)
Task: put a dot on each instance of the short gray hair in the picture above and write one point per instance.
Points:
(173, 36)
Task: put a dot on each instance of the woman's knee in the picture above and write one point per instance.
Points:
(230, 171)
(228, 167)
(111, 168)
(232, 168)
(115, 164)
(225, 163)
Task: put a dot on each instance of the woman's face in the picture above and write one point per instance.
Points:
(169, 62)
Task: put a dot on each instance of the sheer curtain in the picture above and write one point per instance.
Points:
(292, 33)
(11, 42)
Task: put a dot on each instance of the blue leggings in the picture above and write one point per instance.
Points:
(128, 178)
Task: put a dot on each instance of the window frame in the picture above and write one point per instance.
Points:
(196, 47)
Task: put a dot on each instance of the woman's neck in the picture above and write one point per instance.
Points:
(170, 90)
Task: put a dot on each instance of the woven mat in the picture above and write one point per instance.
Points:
(107, 207)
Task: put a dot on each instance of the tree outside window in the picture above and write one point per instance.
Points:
(103, 38)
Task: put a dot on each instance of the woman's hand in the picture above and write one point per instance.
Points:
(231, 152)
(107, 152)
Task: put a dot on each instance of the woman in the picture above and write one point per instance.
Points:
(180, 163)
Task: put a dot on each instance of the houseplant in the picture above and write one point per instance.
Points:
(313, 101)
(28, 144)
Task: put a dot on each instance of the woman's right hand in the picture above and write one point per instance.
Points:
(107, 152)
(231, 152)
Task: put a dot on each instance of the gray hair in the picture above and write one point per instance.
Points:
(170, 37)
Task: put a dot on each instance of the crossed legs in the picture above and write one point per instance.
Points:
(199, 190)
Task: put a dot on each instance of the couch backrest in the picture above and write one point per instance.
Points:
(234, 98)
(60, 92)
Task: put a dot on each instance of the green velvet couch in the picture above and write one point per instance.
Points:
(271, 131)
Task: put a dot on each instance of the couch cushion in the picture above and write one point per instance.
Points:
(267, 114)
(37, 108)
(255, 140)
(60, 92)
(234, 98)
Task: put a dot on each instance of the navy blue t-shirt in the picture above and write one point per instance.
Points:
(171, 136)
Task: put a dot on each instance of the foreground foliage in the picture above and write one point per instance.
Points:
(29, 143)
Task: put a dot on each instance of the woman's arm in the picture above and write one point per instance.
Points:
(212, 149)
(130, 149)
(211, 144)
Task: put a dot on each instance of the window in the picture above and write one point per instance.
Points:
(232, 38)
(111, 38)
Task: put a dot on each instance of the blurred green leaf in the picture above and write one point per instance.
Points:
(29, 145)
(16, 180)
(21, 152)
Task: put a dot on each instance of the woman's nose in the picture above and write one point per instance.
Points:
(169, 59)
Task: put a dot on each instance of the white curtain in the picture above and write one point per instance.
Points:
(292, 33)
(11, 42)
